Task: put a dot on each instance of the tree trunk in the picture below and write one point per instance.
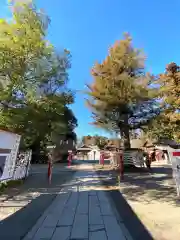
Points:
(125, 136)
(36, 147)
(124, 130)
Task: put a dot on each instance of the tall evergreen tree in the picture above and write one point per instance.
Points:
(121, 97)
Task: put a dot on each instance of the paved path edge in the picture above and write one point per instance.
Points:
(116, 213)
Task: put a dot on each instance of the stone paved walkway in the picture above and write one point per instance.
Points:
(80, 212)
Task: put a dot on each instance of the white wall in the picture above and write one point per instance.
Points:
(7, 139)
(91, 155)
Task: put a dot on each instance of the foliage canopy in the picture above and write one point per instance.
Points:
(121, 96)
(33, 77)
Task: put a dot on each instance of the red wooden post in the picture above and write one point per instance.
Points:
(102, 158)
(49, 170)
(157, 156)
(69, 158)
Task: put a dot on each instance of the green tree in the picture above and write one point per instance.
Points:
(121, 97)
(101, 141)
(88, 140)
(33, 77)
(167, 124)
(97, 140)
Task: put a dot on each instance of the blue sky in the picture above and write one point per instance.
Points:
(88, 28)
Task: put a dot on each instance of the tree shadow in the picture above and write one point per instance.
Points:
(126, 213)
(135, 184)
(31, 198)
(18, 224)
(157, 184)
(75, 162)
(37, 181)
(130, 219)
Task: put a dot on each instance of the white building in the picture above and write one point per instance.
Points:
(88, 152)
(94, 153)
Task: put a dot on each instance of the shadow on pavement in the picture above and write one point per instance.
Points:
(17, 225)
(157, 185)
(131, 221)
(129, 217)
(30, 200)
(38, 182)
(106, 162)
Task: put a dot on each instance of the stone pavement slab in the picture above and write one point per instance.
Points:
(80, 213)
(29, 200)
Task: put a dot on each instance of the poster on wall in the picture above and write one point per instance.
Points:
(2, 164)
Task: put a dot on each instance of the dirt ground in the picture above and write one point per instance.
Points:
(152, 196)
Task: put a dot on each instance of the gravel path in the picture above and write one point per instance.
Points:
(153, 198)
(148, 203)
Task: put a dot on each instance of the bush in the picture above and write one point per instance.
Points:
(10, 183)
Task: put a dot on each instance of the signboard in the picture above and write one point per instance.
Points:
(9, 145)
(22, 165)
(2, 164)
(175, 160)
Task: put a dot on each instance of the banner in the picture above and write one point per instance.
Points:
(23, 162)
(175, 160)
